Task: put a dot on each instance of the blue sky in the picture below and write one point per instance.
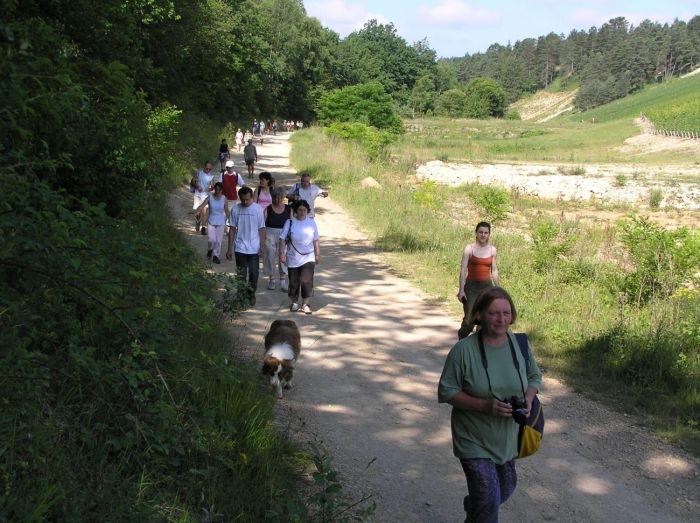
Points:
(456, 27)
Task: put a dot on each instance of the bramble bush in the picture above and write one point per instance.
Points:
(493, 202)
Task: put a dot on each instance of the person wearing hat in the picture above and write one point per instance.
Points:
(250, 155)
(231, 181)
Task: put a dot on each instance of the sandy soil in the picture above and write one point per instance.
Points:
(366, 392)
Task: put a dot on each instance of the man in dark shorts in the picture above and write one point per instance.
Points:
(250, 155)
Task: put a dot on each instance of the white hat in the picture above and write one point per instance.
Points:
(229, 163)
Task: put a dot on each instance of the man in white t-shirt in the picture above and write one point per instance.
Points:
(246, 239)
(305, 190)
(205, 178)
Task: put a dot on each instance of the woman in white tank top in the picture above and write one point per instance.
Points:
(218, 210)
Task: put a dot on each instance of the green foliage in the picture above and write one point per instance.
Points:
(620, 180)
(682, 115)
(427, 195)
(364, 103)
(372, 141)
(451, 103)
(656, 196)
(424, 95)
(551, 243)
(484, 97)
(662, 260)
(512, 114)
(493, 202)
(376, 53)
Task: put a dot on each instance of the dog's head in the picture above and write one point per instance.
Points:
(279, 371)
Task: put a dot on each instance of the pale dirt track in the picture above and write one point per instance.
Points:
(366, 392)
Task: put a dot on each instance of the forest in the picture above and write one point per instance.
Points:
(118, 403)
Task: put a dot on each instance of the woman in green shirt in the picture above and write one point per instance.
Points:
(484, 434)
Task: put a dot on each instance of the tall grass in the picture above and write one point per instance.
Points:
(569, 298)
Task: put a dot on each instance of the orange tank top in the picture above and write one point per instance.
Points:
(479, 269)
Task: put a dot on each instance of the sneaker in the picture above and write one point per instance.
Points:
(284, 287)
(294, 307)
(197, 223)
(306, 309)
(204, 231)
(271, 285)
(209, 254)
(216, 259)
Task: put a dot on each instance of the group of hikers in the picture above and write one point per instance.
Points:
(265, 222)
(484, 378)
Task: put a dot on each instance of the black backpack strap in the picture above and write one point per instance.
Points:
(521, 338)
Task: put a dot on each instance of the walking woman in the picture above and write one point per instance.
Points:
(300, 251)
(479, 376)
(477, 273)
(263, 196)
(276, 215)
(218, 211)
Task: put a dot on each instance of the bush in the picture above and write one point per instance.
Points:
(662, 260)
(512, 114)
(362, 103)
(492, 202)
(484, 98)
(656, 196)
(373, 141)
(551, 243)
(451, 103)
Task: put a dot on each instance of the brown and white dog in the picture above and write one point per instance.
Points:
(282, 347)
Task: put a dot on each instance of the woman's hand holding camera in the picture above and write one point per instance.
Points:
(498, 408)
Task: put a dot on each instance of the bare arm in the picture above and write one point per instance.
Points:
(231, 240)
(203, 205)
(317, 251)
(463, 271)
(464, 401)
(263, 235)
(494, 269)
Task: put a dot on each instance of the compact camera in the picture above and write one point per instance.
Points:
(519, 409)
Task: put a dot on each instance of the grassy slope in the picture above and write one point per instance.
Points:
(571, 311)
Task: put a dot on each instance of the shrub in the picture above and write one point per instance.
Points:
(662, 259)
(512, 114)
(484, 98)
(427, 195)
(620, 180)
(492, 202)
(451, 103)
(373, 141)
(363, 103)
(656, 196)
(551, 242)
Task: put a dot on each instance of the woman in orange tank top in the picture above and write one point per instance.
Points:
(478, 272)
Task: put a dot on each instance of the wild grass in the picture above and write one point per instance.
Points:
(568, 290)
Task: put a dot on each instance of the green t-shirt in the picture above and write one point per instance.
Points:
(476, 434)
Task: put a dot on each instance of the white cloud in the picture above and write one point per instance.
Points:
(457, 13)
(342, 16)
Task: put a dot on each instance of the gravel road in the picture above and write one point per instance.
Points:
(366, 392)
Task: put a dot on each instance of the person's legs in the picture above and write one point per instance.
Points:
(271, 258)
(472, 289)
(507, 479)
(294, 283)
(307, 281)
(253, 262)
(484, 499)
(242, 274)
(216, 236)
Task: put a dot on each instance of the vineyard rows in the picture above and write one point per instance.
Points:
(681, 119)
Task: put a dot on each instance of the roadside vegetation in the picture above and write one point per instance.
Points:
(611, 307)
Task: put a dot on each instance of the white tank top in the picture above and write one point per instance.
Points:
(216, 210)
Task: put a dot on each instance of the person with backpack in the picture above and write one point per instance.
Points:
(250, 156)
(276, 215)
(305, 190)
(490, 387)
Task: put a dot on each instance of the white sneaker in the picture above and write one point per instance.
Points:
(284, 286)
(271, 285)
(294, 307)
(306, 309)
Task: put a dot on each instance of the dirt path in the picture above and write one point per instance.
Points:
(366, 391)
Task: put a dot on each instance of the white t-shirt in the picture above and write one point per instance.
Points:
(303, 234)
(248, 221)
(309, 195)
(204, 182)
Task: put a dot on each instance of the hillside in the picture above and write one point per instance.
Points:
(543, 105)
